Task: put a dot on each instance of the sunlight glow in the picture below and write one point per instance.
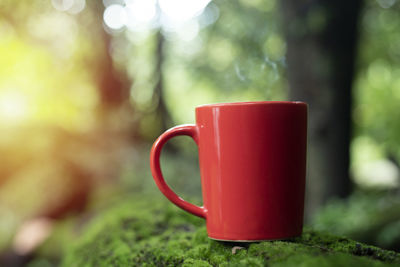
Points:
(182, 10)
(62, 5)
(71, 6)
(77, 7)
(189, 30)
(141, 10)
(115, 16)
(142, 15)
(13, 107)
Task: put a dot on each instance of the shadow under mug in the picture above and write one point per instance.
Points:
(252, 166)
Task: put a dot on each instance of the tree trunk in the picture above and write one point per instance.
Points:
(113, 85)
(321, 48)
(158, 93)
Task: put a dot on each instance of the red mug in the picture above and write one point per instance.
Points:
(252, 166)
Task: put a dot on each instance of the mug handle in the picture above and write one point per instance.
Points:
(190, 130)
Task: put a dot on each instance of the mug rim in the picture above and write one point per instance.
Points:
(251, 103)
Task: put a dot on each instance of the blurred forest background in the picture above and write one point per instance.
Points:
(87, 86)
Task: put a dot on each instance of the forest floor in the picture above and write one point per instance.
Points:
(152, 232)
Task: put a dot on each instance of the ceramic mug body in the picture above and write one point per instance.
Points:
(252, 166)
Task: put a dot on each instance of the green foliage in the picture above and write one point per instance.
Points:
(240, 56)
(155, 233)
(377, 84)
(180, 171)
(367, 217)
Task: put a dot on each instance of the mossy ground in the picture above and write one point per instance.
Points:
(155, 233)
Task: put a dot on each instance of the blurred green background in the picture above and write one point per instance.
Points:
(87, 86)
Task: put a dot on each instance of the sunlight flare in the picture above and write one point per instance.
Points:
(13, 107)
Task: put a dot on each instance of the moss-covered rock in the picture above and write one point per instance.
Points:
(155, 233)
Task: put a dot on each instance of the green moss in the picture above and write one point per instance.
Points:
(155, 233)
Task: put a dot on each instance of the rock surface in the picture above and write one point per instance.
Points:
(155, 233)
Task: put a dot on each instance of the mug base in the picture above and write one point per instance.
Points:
(252, 240)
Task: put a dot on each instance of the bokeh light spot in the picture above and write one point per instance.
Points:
(386, 3)
(115, 17)
(77, 7)
(13, 107)
(182, 10)
(141, 10)
(189, 31)
(62, 5)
